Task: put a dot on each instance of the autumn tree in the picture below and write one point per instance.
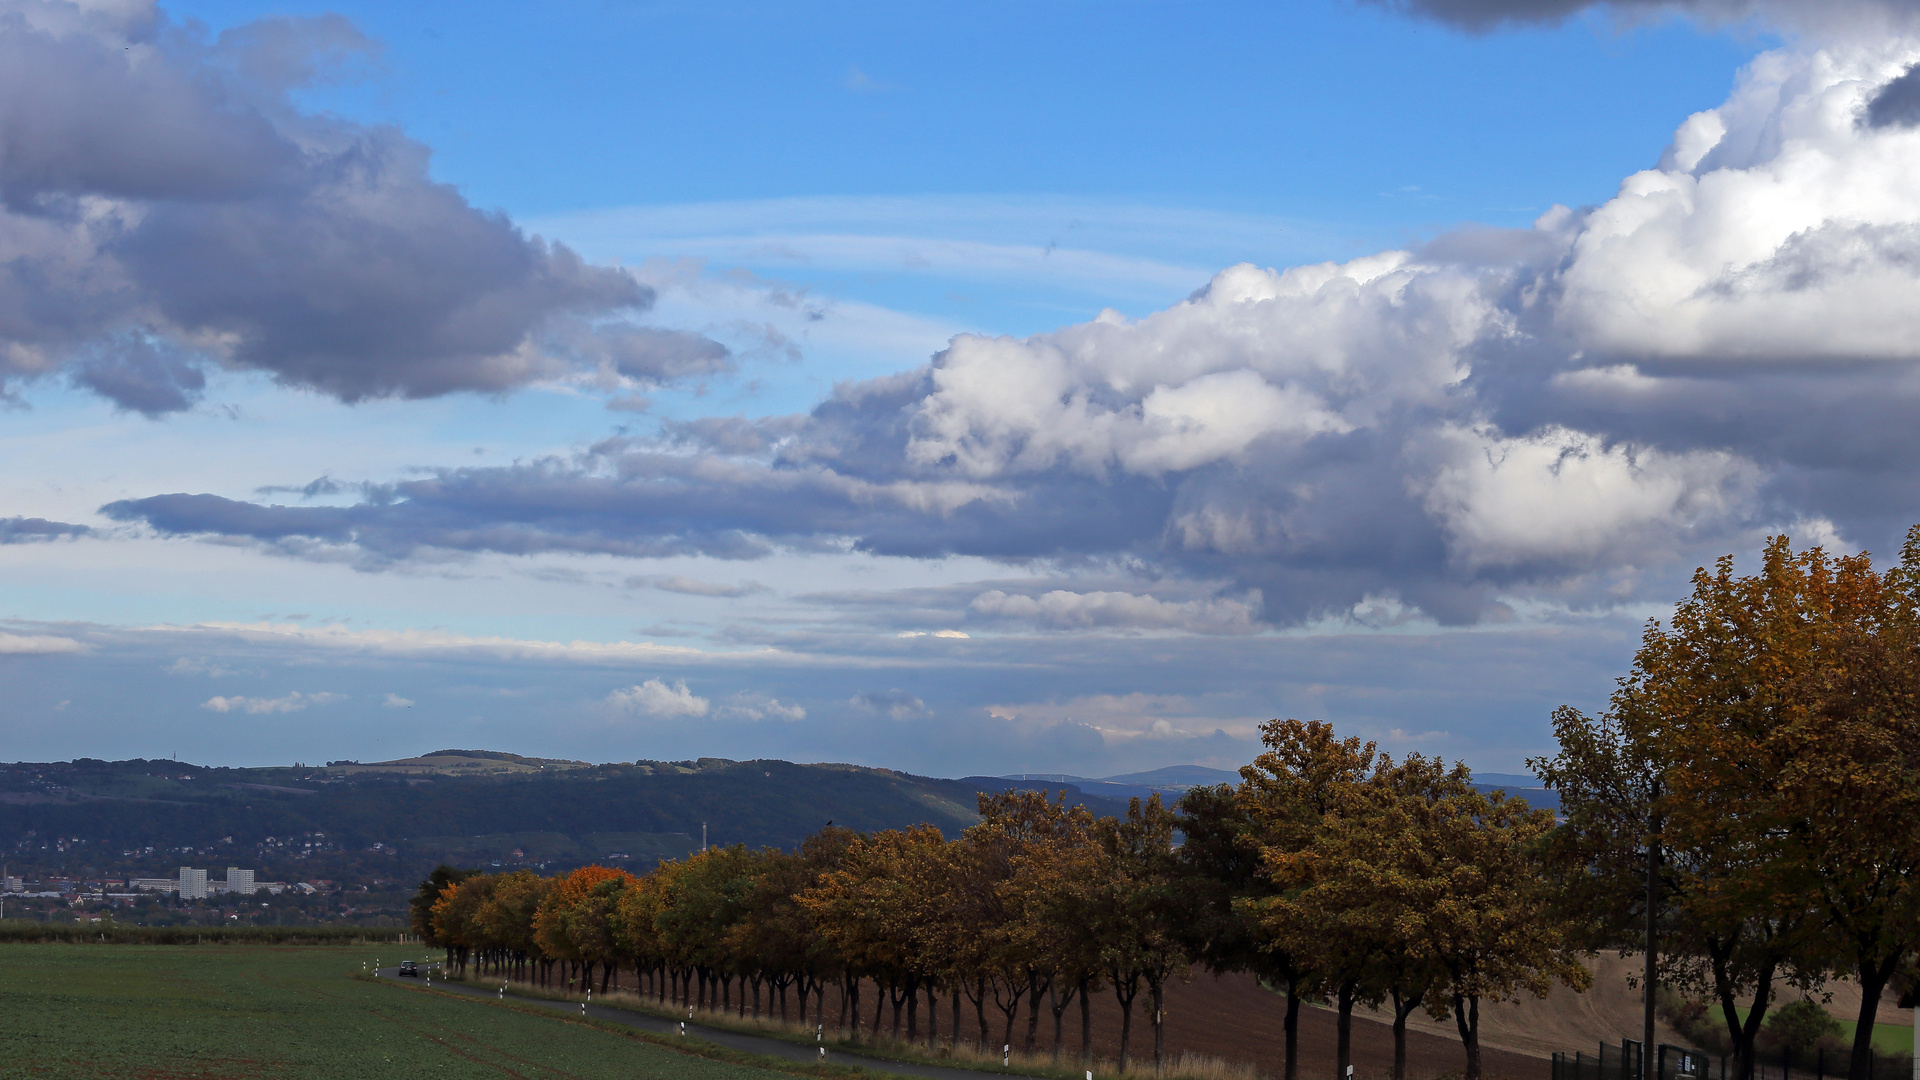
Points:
(1335, 912)
(1137, 912)
(569, 925)
(1461, 870)
(1285, 796)
(1776, 712)
(1222, 875)
(420, 906)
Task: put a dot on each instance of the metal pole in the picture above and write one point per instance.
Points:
(1647, 1066)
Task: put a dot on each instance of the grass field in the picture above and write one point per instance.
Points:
(172, 1012)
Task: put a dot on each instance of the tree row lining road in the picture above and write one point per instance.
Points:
(732, 1040)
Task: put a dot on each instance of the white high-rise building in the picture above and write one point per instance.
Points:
(193, 884)
(240, 881)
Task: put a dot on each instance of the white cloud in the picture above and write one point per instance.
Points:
(395, 701)
(293, 702)
(38, 645)
(659, 700)
(1066, 610)
(1779, 226)
(687, 586)
(1564, 498)
(753, 708)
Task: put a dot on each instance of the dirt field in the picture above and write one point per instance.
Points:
(1232, 1017)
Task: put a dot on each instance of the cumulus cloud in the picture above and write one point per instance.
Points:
(660, 700)
(26, 530)
(165, 206)
(254, 706)
(395, 701)
(746, 706)
(1725, 347)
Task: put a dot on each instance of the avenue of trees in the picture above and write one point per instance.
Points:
(1332, 872)
(1755, 779)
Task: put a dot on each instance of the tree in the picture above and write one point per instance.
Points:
(420, 907)
(1137, 912)
(1463, 870)
(1778, 714)
(1223, 880)
(1335, 913)
(1286, 796)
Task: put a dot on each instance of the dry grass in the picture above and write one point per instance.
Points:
(1184, 1066)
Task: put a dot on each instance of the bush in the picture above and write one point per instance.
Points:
(1801, 1026)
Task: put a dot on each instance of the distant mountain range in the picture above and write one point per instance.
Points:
(1170, 782)
(1174, 780)
(395, 819)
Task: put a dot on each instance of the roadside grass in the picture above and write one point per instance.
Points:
(290, 1013)
(963, 1054)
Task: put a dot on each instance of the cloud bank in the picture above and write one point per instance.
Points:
(1548, 415)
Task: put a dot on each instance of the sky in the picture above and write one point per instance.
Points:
(972, 388)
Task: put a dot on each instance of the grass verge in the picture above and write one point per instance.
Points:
(964, 1055)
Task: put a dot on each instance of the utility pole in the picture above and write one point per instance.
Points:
(1648, 1061)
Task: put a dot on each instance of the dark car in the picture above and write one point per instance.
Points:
(409, 968)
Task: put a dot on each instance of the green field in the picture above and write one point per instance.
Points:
(172, 1012)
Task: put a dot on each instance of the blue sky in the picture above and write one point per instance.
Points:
(921, 386)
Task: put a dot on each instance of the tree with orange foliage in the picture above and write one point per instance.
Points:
(570, 925)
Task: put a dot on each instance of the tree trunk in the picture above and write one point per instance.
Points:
(1873, 982)
(1058, 1002)
(1292, 1028)
(1160, 1023)
(933, 1017)
(1466, 1016)
(980, 1010)
(1033, 1007)
(1086, 1025)
(1343, 1029)
(1402, 1008)
(1744, 1033)
(1125, 995)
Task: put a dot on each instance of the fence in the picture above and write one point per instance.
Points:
(1681, 1063)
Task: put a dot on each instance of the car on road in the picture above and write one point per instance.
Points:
(409, 969)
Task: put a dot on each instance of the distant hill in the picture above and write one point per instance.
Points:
(475, 808)
(1170, 782)
(1174, 780)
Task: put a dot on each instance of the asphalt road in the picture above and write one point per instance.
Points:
(732, 1040)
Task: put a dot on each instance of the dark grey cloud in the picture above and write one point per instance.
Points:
(30, 530)
(141, 375)
(165, 203)
(1479, 16)
(1896, 104)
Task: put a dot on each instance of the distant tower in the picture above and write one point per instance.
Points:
(703, 836)
(240, 881)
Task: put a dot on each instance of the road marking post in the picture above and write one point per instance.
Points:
(1006, 1057)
